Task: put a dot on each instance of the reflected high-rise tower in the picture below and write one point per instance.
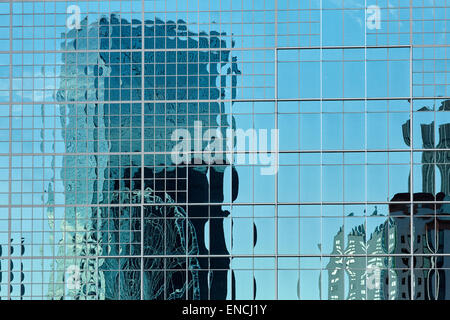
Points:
(433, 159)
(401, 276)
(430, 225)
(359, 268)
(129, 204)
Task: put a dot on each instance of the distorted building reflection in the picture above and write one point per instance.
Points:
(108, 127)
(405, 254)
(431, 220)
(360, 269)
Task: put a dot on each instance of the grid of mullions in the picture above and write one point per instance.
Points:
(269, 271)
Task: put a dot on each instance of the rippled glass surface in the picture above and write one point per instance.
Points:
(167, 149)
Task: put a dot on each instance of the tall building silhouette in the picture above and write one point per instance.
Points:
(103, 127)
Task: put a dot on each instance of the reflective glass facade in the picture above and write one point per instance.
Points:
(225, 149)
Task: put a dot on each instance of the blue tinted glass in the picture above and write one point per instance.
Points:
(167, 149)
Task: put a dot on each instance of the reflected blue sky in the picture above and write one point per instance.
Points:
(340, 161)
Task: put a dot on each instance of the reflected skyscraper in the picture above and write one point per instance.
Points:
(430, 221)
(397, 275)
(103, 140)
(360, 268)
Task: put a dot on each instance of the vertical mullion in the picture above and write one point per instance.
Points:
(10, 150)
(411, 142)
(276, 128)
(411, 187)
(321, 138)
(142, 146)
(365, 141)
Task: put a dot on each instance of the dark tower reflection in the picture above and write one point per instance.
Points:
(179, 70)
(15, 269)
(430, 221)
(414, 271)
